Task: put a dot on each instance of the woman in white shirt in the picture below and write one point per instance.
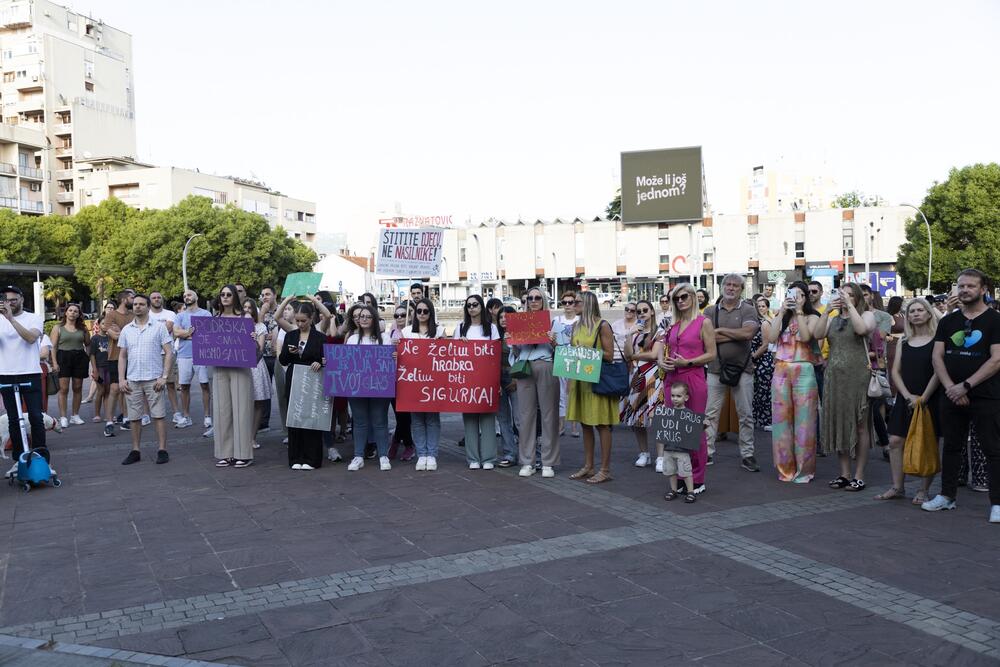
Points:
(480, 428)
(425, 427)
(562, 325)
(371, 415)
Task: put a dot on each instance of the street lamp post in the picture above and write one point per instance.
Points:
(184, 261)
(930, 244)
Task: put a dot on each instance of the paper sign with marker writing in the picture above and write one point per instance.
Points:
(359, 371)
(308, 408)
(578, 363)
(528, 328)
(227, 342)
(301, 284)
(679, 429)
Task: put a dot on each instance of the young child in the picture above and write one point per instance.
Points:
(677, 462)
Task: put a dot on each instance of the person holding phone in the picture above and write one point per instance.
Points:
(303, 346)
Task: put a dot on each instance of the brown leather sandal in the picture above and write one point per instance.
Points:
(582, 473)
(601, 476)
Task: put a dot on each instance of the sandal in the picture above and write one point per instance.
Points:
(690, 498)
(582, 473)
(601, 476)
(671, 495)
(892, 493)
(856, 485)
(919, 498)
(839, 483)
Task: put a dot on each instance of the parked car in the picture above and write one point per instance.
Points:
(606, 299)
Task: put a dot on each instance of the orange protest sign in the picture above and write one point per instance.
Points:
(528, 328)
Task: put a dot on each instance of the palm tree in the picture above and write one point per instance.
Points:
(58, 289)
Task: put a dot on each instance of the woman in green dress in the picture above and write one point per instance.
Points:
(591, 410)
(846, 425)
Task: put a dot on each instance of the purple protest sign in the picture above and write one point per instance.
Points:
(359, 371)
(223, 341)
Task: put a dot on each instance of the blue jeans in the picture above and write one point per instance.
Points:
(508, 408)
(371, 424)
(32, 399)
(425, 427)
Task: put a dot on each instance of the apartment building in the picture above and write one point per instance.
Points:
(781, 188)
(145, 186)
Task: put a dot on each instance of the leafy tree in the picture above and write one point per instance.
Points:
(857, 199)
(59, 290)
(614, 208)
(964, 215)
(32, 240)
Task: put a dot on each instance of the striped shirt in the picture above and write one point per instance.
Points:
(145, 349)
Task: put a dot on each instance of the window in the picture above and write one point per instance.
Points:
(461, 255)
(849, 241)
(88, 70)
(800, 244)
(664, 248)
(753, 244)
(88, 86)
(8, 77)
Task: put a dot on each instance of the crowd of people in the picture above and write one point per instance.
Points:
(826, 375)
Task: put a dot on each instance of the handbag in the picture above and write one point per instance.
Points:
(730, 373)
(878, 384)
(52, 383)
(920, 451)
(520, 369)
(614, 381)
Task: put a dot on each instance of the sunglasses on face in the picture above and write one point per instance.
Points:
(398, 315)
(470, 306)
(533, 298)
(644, 311)
(681, 297)
(423, 311)
(630, 310)
(814, 291)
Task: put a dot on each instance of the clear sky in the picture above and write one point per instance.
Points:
(518, 108)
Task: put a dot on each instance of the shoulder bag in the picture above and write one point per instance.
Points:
(730, 372)
(878, 384)
(614, 381)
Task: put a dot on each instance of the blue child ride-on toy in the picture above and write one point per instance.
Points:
(32, 468)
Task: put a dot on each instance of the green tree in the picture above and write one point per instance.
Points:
(614, 207)
(964, 215)
(38, 240)
(59, 290)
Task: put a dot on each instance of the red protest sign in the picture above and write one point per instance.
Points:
(448, 375)
(528, 328)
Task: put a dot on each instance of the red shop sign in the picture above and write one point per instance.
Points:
(447, 375)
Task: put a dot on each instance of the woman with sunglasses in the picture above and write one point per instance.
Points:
(371, 415)
(846, 419)
(71, 340)
(682, 352)
(425, 427)
(232, 398)
(591, 410)
(563, 326)
(403, 434)
(303, 346)
(537, 396)
(645, 389)
(480, 428)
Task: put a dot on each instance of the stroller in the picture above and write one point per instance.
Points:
(32, 468)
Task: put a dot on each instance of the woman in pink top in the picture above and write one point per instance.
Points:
(683, 352)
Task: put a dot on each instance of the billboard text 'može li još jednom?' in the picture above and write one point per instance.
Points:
(662, 185)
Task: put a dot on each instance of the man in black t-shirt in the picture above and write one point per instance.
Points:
(966, 361)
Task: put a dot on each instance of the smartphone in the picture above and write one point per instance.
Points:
(641, 323)
(789, 294)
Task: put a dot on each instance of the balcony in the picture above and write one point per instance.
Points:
(31, 172)
(64, 151)
(8, 202)
(7, 169)
(28, 206)
(64, 197)
(62, 129)
(63, 174)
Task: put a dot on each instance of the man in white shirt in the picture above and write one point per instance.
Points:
(145, 352)
(157, 313)
(20, 331)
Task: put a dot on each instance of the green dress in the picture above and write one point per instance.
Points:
(845, 390)
(584, 405)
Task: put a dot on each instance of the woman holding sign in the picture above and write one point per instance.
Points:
(232, 398)
(480, 428)
(302, 347)
(683, 351)
(425, 427)
(371, 415)
(584, 406)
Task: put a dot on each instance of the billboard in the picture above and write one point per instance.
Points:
(662, 185)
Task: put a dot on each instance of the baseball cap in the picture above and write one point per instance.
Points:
(13, 288)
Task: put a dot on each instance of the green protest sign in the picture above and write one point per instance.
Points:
(301, 284)
(578, 363)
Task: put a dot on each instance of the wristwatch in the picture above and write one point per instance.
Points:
(968, 387)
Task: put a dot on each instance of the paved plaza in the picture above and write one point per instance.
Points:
(186, 564)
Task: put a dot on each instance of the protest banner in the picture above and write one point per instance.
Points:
(677, 428)
(227, 342)
(409, 252)
(529, 328)
(448, 375)
(301, 284)
(308, 408)
(578, 363)
(359, 371)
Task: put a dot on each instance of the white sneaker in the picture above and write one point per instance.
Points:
(768, 428)
(296, 466)
(285, 441)
(256, 445)
(995, 514)
(64, 422)
(938, 502)
(699, 489)
(185, 422)
(474, 466)
(547, 471)
(333, 454)
(178, 417)
(145, 420)
(208, 422)
(75, 419)
(643, 460)
(383, 463)
(421, 463)
(659, 464)
(432, 463)
(357, 463)
(209, 433)
(526, 471)
(306, 466)
(487, 466)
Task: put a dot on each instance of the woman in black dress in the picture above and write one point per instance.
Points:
(763, 371)
(303, 347)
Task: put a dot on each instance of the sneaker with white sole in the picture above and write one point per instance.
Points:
(208, 422)
(432, 463)
(526, 471)
(487, 466)
(306, 466)
(185, 422)
(145, 420)
(474, 466)
(643, 460)
(357, 463)
(659, 464)
(699, 489)
(75, 419)
(178, 417)
(547, 471)
(209, 433)
(995, 514)
(333, 454)
(383, 463)
(938, 503)
(421, 463)
(64, 422)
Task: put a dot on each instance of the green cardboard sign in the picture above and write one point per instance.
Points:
(301, 284)
(578, 363)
